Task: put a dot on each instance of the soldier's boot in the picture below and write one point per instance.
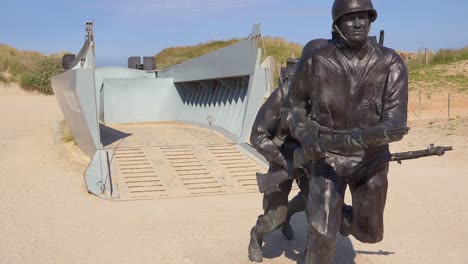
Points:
(255, 246)
(347, 221)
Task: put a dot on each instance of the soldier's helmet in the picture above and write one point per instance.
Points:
(344, 7)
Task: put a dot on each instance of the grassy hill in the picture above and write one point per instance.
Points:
(441, 71)
(175, 55)
(14, 62)
(440, 77)
(31, 69)
(446, 70)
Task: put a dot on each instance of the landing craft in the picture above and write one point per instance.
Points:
(172, 133)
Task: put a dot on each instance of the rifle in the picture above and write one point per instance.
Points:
(300, 158)
(328, 140)
(269, 182)
(430, 151)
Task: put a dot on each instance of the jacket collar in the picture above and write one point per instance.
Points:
(349, 53)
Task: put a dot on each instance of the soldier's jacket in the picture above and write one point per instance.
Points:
(347, 90)
(269, 131)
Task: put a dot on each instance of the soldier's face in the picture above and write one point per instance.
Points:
(355, 27)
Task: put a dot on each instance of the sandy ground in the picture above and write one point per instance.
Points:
(46, 215)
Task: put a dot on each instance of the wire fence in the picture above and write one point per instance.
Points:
(428, 105)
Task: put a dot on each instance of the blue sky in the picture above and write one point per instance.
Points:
(126, 28)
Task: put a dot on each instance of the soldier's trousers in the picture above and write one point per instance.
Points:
(328, 180)
(299, 202)
(275, 205)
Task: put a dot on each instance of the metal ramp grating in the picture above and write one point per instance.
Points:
(193, 174)
(138, 178)
(205, 163)
(237, 165)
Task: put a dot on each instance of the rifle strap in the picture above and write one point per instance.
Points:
(315, 96)
(319, 100)
(364, 113)
(379, 87)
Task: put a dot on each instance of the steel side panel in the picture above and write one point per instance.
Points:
(97, 175)
(212, 112)
(240, 116)
(235, 60)
(256, 93)
(75, 95)
(236, 109)
(104, 73)
(140, 100)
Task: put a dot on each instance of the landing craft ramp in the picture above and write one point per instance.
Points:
(174, 133)
(165, 160)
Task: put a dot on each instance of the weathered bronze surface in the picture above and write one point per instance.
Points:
(355, 88)
(346, 102)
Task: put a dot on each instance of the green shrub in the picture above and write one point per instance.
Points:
(28, 81)
(39, 78)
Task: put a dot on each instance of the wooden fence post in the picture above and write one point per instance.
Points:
(426, 53)
(419, 106)
(449, 98)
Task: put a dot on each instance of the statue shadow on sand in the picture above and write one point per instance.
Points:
(276, 244)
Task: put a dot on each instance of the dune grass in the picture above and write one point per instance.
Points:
(17, 62)
(175, 55)
(279, 48)
(31, 69)
(445, 69)
(442, 56)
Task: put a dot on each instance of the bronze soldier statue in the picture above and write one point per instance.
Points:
(271, 137)
(357, 92)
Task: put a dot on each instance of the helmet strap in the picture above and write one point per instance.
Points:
(337, 30)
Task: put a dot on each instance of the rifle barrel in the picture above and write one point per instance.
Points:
(431, 151)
